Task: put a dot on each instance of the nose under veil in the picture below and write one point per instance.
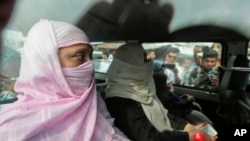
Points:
(79, 78)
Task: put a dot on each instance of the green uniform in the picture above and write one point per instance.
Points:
(200, 78)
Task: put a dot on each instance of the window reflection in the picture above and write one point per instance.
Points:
(103, 55)
(189, 64)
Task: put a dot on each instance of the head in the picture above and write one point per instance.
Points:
(150, 54)
(209, 60)
(132, 53)
(74, 55)
(218, 48)
(73, 45)
(58, 53)
(172, 55)
(185, 62)
(105, 55)
(131, 71)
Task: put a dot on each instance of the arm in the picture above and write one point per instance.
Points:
(196, 50)
(130, 118)
(176, 76)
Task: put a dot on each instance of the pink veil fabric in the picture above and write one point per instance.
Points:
(47, 108)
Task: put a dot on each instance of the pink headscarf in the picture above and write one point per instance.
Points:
(48, 107)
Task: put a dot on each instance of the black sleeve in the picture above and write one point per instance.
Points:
(174, 103)
(130, 118)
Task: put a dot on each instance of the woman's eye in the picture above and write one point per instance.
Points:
(79, 56)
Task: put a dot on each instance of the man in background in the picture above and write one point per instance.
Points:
(183, 67)
(170, 58)
(105, 62)
(150, 54)
(205, 76)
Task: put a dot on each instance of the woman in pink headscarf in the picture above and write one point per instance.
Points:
(57, 98)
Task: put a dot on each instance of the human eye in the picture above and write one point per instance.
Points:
(79, 56)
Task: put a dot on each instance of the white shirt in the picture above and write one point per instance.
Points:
(170, 76)
(181, 73)
(104, 65)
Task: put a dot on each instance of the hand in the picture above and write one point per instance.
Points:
(193, 129)
(208, 137)
(175, 70)
(196, 106)
(170, 87)
(197, 49)
(188, 97)
(199, 81)
(215, 82)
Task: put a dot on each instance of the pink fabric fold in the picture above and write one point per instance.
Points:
(49, 107)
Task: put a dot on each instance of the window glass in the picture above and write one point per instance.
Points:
(12, 44)
(103, 55)
(190, 64)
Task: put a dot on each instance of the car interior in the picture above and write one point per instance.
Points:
(149, 22)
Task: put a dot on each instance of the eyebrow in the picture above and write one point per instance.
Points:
(81, 50)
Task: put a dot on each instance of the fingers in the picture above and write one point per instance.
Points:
(209, 138)
(200, 125)
(197, 105)
(215, 83)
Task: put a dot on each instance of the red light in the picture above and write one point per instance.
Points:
(198, 137)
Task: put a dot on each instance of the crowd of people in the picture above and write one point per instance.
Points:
(200, 71)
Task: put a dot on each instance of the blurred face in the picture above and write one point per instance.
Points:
(209, 63)
(218, 50)
(74, 55)
(151, 55)
(187, 64)
(104, 56)
(171, 57)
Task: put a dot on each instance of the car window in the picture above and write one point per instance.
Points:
(103, 55)
(188, 60)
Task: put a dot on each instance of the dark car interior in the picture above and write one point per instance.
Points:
(136, 21)
(148, 21)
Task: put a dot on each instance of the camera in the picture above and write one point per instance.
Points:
(168, 66)
(209, 130)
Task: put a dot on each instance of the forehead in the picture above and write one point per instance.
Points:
(76, 47)
(172, 54)
(210, 59)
